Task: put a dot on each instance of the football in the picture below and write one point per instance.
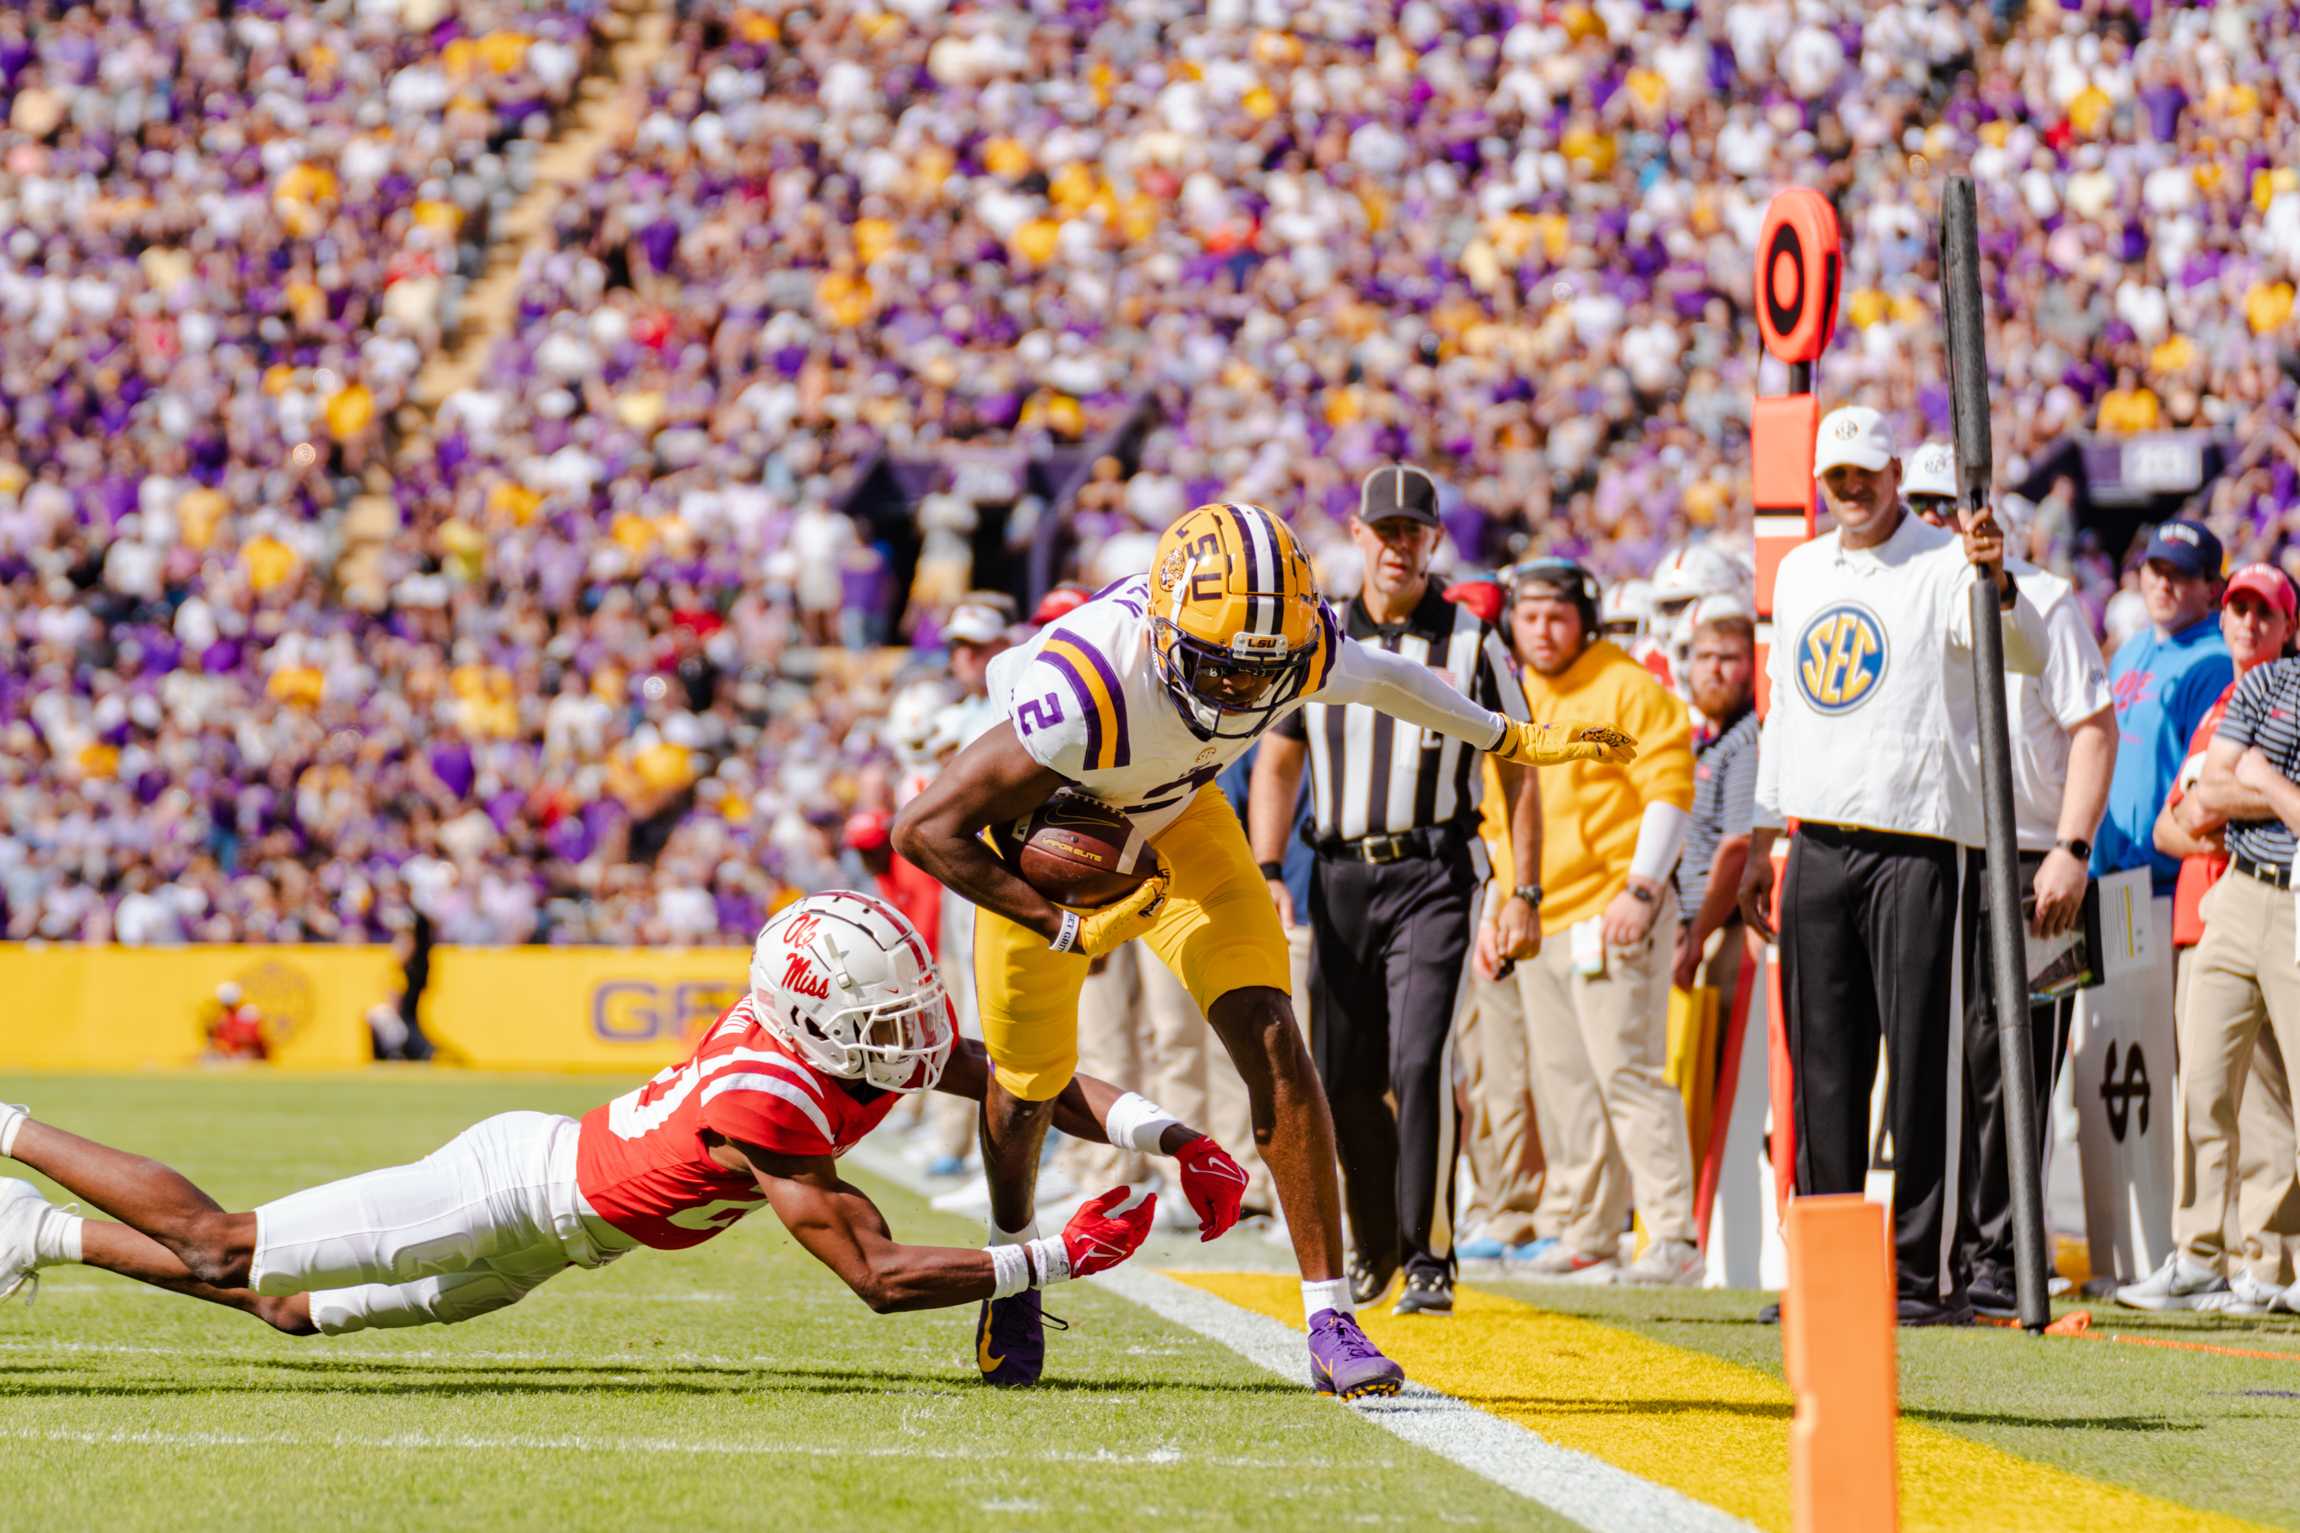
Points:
(1080, 852)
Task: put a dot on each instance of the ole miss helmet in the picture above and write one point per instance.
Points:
(1235, 620)
(845, 982)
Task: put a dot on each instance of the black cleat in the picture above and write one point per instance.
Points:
(1426, 1293)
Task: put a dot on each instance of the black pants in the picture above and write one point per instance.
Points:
(1985, 1229)
(1389, 946)
(1868, 947)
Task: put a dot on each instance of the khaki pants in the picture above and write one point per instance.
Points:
(1503, 1139)
(2239, 1021)
(1139, 1030)
(1612, 1127)
(1110, 1047)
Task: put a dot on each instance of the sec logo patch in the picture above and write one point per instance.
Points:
(1840, 658)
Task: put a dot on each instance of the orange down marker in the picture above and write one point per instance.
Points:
(1837, 1350)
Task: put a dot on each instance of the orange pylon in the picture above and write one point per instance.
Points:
(1837, 1349)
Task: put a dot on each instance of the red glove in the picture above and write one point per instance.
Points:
(1215, 1185)
(1095, 1239)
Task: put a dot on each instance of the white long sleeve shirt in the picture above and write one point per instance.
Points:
(1872, 721)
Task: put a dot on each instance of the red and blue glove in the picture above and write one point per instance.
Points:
(1215, 1185)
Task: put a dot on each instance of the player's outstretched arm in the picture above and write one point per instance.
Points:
(993, 781)
(1098, 1112)
(844, 1231)
(1411, 691)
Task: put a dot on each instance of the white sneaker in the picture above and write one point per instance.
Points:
(2246, 1296)
(21, 1210)
(1562, 1264)
(1666, 1264)
(972, 1197)
(2288, 1299)
(2175, 1285)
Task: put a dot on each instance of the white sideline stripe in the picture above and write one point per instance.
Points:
(1573, 1484)
(426, 1442)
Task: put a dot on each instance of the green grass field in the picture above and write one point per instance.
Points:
(740, 1385)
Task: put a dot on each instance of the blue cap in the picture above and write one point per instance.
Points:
(2188, 547)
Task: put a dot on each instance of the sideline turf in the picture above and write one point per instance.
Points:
(734, 1385)
(2216, 1433)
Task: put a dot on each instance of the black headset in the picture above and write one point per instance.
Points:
(1580, 586)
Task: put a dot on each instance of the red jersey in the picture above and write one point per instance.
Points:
(2197, 874)
(917, 893)
(641, 1160)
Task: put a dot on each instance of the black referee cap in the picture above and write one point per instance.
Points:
(1399, 489)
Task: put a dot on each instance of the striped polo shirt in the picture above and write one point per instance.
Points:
(2265, 711)
(1724, 804)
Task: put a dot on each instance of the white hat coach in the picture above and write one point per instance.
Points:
(1854, 434)
(1931, 470)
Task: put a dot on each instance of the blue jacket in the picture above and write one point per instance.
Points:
(2163, 688)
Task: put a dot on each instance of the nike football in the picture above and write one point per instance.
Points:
(1080, 852)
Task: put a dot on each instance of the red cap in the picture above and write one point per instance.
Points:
(2268, 583)
(1063, 600)
(1482, 597)
(866, 830)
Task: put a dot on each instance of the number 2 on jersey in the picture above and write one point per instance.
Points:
(1039, 713)
(632, 1116)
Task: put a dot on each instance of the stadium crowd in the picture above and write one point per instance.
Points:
(529, 662)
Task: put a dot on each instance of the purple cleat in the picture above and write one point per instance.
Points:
(1343, 1362)
(1010, 1339)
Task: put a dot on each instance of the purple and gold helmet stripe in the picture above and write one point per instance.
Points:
(1254, 604)
(1107, 743)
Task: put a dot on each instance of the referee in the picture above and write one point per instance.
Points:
(1869, 748)
(1394, 894)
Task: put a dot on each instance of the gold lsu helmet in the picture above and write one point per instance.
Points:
(1236, 625)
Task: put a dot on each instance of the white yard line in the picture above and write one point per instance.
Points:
(1573, 1484)
(484, 1442)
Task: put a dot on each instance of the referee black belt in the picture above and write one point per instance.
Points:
(2267, 872)
(1422, 841)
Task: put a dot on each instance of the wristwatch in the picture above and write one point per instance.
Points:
(1530, 893)
(2075, 846)
(1642, 896)
(1272, 872)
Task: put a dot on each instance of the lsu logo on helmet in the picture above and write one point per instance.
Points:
(1840, 658)
(1237, 630)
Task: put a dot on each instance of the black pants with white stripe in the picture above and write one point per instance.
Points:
(1389, 947)
(1868, 952)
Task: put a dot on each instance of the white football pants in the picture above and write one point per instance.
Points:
(477, 1224)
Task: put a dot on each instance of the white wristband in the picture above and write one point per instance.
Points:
(1010, 1270)
(1053, 1260)
(1137, 1123)
(1066, 940)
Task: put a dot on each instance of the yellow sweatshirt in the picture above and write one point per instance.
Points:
(1590, 812)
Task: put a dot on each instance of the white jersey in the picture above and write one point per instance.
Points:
(1872, 721)
(1085, 700)
(2042, 709)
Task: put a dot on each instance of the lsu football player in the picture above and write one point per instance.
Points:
(1140, 697)
(845, 1014)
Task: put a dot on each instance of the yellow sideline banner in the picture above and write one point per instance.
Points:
(631, 1010)
(133, 1008)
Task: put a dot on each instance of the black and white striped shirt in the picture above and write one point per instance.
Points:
(1373, 775)
(2265, 711)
